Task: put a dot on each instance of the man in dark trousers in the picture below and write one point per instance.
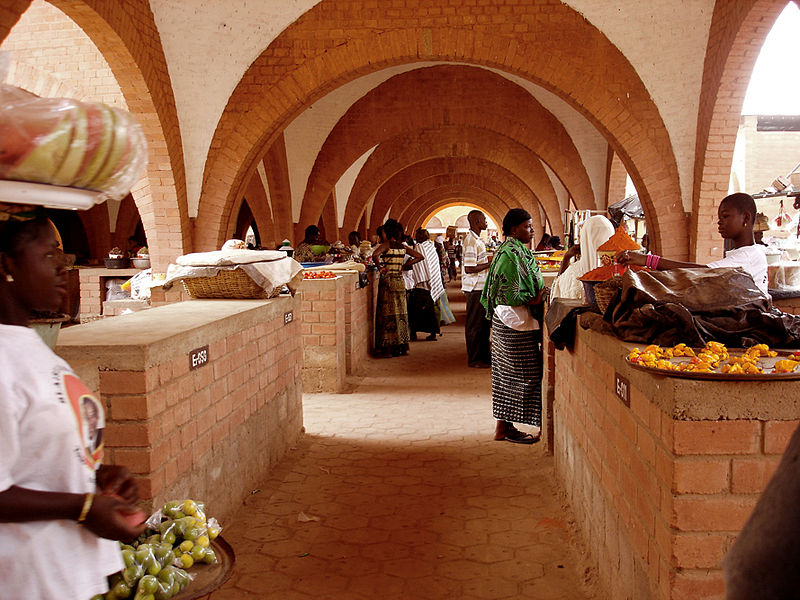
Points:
(473, 275)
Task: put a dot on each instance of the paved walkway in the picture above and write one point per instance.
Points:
(398, 491)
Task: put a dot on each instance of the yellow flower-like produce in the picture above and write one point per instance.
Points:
(786, 366)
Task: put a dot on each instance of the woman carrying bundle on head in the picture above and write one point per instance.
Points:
(61, 510)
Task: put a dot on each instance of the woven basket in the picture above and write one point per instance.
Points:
(605, 292)
(227, 284)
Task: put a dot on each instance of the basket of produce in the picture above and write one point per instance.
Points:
(235, 274)
(227, 283)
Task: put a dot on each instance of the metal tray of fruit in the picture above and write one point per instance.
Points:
(766, 363)
(207, 578)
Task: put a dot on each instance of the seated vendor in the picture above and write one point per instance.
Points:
(303, 252)
(735, 218)
(595, 231)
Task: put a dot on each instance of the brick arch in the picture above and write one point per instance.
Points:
(127, 37)
(480, 173)
(256, 199)
(433, 202)
(738, 31)
(445, 95)
(551, 45)
(453, 141)
(449, 191)
(495, 184)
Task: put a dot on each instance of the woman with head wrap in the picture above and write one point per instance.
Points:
(595, 231)
(513, 287)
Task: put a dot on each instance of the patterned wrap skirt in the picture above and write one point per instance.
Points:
(516, 375)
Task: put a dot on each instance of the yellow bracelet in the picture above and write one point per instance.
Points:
(87, 506)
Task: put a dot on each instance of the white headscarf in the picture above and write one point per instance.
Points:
(595, 232)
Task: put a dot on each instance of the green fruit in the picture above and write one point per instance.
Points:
(73, 159)
(128, 557)
(41, 163)
(169, 538)
(99, 142)
(192, 533)
(210, 558)
(132, 574)
(154, 569)
(198, 553)
(119, 144)
(121, 590)
(147, 585)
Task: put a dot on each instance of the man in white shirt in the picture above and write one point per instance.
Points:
(735, 218)
(474, 265)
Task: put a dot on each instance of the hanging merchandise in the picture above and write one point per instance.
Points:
(783, 217)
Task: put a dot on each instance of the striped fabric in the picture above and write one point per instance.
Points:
(516, 375)
(428, 250)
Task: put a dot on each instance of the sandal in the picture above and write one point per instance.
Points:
(515, 436)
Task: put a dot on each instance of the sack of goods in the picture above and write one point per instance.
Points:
(68, 143)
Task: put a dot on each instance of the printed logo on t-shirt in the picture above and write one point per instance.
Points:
(89, 417)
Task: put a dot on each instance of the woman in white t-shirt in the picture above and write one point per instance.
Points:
(735, 218)
(61, 510)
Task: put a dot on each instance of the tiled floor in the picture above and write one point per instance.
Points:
(398, 491)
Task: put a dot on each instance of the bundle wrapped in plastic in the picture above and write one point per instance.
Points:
(65, 142)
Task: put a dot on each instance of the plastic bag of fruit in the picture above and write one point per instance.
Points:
(178, 536)
(65, 142)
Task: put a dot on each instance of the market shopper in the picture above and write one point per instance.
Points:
(514, 288)
(303, 252)
(473, 276)
(391, 315)
(61, 510)
(735, 218)
(594, 232)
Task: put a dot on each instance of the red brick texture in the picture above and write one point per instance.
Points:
(127, 38)
(666, 495)
(738, 31)
(323, 315)
(171, 426)
(522, 182)
(446, 96)
(334, 43)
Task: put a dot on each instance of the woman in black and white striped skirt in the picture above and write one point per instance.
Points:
(514, 286)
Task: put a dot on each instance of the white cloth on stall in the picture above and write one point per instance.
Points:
(751, 259)
(594, 233)
(269, 269)
(49, 441)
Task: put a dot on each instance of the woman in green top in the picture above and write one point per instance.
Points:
(514, 288)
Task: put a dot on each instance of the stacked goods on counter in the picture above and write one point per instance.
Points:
(551, 262)
(616, 243)
(601, 283)
(178, 537)
(65, 142)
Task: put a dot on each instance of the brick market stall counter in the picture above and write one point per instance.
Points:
(336, 317)
(202, 397)
(661, 471)
(93, 287)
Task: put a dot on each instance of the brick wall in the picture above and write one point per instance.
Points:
(322, 317)
(662, 487)
(358, 324)
(211, 433)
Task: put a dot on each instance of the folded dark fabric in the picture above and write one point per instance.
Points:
(695, 306)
